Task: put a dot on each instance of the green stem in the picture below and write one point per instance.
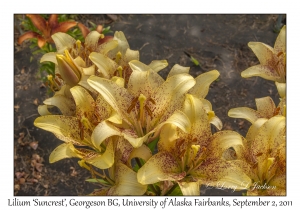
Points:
(171, 189)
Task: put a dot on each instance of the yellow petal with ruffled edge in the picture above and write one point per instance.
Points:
(126, 182)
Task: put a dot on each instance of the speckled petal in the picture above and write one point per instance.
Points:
(265, 72)
(160, 167)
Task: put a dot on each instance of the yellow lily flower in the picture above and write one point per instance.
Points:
(144, 107)
(272, 60)
(195, 157)
(263, 157)
(120, 178)
(76, 130)
(265, 109)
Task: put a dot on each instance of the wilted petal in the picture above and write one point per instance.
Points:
(203, 82)
(126, 182)
(189, 188)
(66, 150)
(160, 167)
(245, 113)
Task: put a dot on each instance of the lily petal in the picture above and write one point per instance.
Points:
(126, 182)
(158, 65)
(66, 150)
(63, 41)
(262, 51)
(281, 87)
(280, 43)
(203, 81)
(117, 97)
(262, 71)
(51, 56)
(245, 113)
(160, 167)
(177, 69)
(168, 93)
(189, 188)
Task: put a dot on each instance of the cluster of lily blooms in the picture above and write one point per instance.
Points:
(140, 134)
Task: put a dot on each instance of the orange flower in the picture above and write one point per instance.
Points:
(46, 27)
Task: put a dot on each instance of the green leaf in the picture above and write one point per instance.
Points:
(176, 191)
(152, 145)
(99, 181)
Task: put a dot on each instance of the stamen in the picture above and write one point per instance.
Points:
(118, 57)
(78, 44)
(120, 70)
(142, 100)
(132, 105)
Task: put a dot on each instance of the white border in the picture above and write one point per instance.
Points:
(151, 7)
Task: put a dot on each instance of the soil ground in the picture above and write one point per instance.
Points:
(216, 41)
